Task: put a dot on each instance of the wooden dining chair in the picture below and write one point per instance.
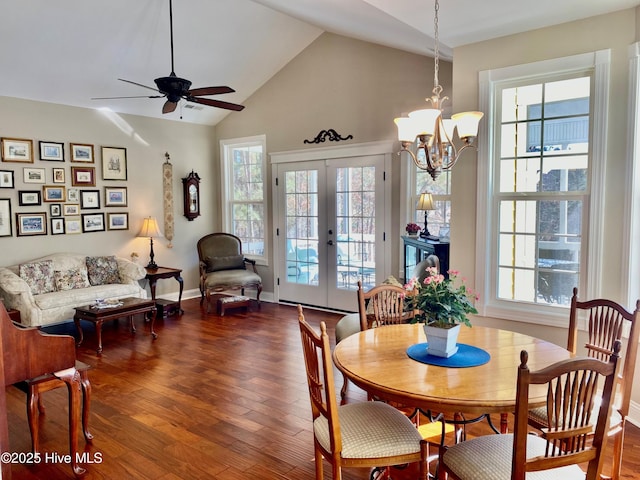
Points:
(572, 388)
(365, 434)
(608, 322)
(384, 304)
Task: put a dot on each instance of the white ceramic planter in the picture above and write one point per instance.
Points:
(442, 341)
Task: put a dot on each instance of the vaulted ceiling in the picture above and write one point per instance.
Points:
(70, 51)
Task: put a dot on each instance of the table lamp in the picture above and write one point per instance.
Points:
(425, 202)
(150, 229)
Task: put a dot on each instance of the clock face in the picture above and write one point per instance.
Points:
(193, 198)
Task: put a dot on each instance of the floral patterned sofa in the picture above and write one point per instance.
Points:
(46, 290)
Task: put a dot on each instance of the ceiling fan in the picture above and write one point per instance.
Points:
(174, 88)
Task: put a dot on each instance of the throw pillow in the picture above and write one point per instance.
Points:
(70, 279)
(102, 270)
(225, 263)
(38, 275)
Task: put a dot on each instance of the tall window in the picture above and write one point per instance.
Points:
(441, 191)
(542, 165)
(244, 199)
(538, 180)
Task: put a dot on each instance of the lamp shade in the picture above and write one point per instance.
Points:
(467, 123)
(426, 120)
(406, 129)
(150, 228)
(425, 202)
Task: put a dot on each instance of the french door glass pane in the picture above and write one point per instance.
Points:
(301, 199)
(356, 227)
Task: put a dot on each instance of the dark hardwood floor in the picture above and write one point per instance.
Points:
(212, 397)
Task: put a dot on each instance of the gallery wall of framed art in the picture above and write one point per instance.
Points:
(81, 192)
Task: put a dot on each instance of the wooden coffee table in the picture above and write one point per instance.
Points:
(129, 308)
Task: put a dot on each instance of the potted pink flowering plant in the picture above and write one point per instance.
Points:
(412, 229)
(443, 305)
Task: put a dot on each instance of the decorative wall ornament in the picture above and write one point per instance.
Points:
(167, 192)
(191, 190)
(331, 134)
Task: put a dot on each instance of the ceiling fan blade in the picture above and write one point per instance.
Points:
(169, 106)
(139, 84)
(210, 91)
(216, 103)
(137, 96)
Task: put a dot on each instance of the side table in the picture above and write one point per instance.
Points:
(155, 274)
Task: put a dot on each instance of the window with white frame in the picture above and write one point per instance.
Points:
(244, 196)
(439, 219)
(538, 184)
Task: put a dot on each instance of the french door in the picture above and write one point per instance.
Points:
(330, 229)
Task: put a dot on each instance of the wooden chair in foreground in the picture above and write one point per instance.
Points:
(365, 434)
(607, 321)
(572, 388)
(28, 353)
(34, 387)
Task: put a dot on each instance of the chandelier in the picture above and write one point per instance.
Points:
(427, 131)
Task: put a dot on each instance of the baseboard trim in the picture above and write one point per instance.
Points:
(634, 414)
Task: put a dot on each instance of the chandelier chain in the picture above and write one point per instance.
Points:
(436, 48)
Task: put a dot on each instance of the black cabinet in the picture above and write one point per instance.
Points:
(417, 249)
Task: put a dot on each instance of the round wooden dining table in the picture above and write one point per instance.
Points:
(376, 360)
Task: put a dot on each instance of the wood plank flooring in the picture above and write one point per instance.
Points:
(212, 398)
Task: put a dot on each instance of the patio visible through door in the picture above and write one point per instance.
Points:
(330, 229)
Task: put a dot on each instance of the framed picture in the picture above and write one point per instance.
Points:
(81, 153)
(72, 226)
(118, 221)
(89, 199)
(53, 193)
(114, 163)
(57, 226)
(5, 217)
(115, 196)
(55, 210)
(6, 179)
(93, 222)
(83, 176)
(70, 209)
(73, 195)
(31, 224)
(33, 175)
(58, 175)
(52, 151)
(17, 150)
(29, 197)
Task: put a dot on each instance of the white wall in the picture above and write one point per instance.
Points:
(190, 147)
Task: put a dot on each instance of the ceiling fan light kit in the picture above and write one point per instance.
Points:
(175, 88)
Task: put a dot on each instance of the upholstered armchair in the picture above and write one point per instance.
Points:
(224, 267)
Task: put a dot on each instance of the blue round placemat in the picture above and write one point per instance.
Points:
(466, 356)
